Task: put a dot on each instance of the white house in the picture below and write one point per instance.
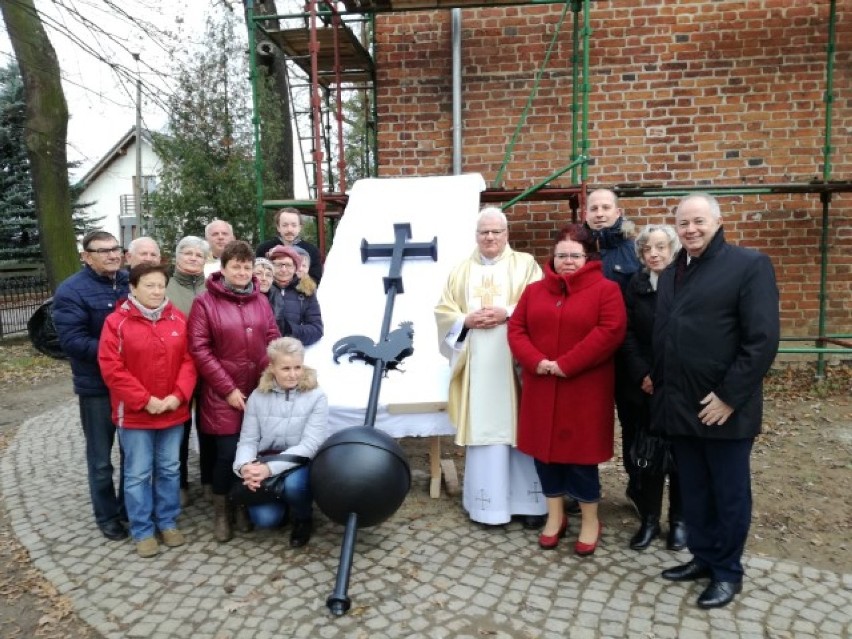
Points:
(109, 187)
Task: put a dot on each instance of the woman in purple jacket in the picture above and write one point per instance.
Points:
(229, 327)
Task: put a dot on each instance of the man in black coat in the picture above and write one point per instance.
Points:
(715, 336)
(288, 223)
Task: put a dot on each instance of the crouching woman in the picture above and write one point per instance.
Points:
(287, 413)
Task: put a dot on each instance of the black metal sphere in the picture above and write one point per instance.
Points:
(360, 470)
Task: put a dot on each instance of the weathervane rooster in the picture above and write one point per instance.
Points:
(391, 351)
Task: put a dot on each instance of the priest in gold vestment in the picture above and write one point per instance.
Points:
(480, 294)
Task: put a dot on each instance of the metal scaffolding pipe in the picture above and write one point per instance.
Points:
(457, 91)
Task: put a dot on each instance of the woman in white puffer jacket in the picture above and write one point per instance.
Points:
(287, 413)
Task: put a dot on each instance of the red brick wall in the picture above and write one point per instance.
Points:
(682, 92)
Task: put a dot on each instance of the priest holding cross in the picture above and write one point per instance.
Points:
(480, 294)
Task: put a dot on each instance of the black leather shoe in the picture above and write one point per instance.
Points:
(719, 593)
(533, 522)
(114, 531)
(301, 533)
(648, 532)
(572, 506)
(676, 539)
(687, 572)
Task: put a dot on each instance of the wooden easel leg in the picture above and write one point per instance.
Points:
(435, 467)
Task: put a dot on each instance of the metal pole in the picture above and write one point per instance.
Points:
(825, 198)
(137, 183)
(457, 90)
(338, 601)
(255, 120)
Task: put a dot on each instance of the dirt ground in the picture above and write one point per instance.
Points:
(801, 481)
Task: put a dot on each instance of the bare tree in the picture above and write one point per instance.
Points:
(46, 136)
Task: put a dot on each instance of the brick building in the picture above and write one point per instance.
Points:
(682, 92)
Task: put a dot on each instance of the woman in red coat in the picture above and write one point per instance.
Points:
(230, 325)
(150, 376)
(564, 333)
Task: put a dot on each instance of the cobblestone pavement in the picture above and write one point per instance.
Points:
(426, 572)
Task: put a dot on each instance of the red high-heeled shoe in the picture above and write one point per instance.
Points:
(583, 549)
(549, 542)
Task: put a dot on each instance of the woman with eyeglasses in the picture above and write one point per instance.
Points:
(294, 301)
(564, 334)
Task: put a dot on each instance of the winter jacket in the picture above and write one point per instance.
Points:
(80, 307)
(577, 320)
(290, 421)
(314, 270)
(182, 290)
(228, 334)
(718, 332)
(618, 253)
(140, 358)
(297, 310)
(636, 355)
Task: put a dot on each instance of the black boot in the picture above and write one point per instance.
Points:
(676, 539)
(301, 533)
(648, 531)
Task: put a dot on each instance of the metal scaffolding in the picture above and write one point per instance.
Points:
(326, 28)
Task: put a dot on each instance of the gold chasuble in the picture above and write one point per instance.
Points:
(483, 392)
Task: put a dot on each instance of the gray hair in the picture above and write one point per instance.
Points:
(285, 346)
(134, 244)
(645, 234)
(262, 261)
(302, 253)
(711, 202)
(492, 211)
(192, 241)
(210, 225)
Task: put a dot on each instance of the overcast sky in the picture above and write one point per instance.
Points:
(102, 100)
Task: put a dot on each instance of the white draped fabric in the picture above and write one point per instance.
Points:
(352, 299)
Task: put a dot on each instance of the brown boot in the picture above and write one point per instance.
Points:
(221, 518)
(242, 521)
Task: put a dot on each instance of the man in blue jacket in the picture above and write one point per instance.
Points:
(716, 334)
(614, 237)
(80, 307)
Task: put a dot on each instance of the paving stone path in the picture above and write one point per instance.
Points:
(427, 572)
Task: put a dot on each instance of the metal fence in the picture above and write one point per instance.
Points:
(20, 296)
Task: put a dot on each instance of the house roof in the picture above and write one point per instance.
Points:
(119, 149)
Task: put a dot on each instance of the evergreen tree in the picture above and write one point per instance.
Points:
(207, 151)
(18, 223)
(19, 229)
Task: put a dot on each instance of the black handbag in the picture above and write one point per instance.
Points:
(652, 453)
(271, 488)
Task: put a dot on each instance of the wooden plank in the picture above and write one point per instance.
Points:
(417, 407)
(435, 467)
(450, 476)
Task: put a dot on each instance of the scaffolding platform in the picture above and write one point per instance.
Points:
(356, 65)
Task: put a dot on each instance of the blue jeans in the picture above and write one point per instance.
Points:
(151, 478)
(99, 431)
(297, 498)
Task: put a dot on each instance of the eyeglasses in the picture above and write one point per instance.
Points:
(105, 251)
(570, 256)
(495, 233)
(283, 265)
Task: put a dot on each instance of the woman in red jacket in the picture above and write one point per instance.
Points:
(150, 376)
(564, 333)
(230, 325)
